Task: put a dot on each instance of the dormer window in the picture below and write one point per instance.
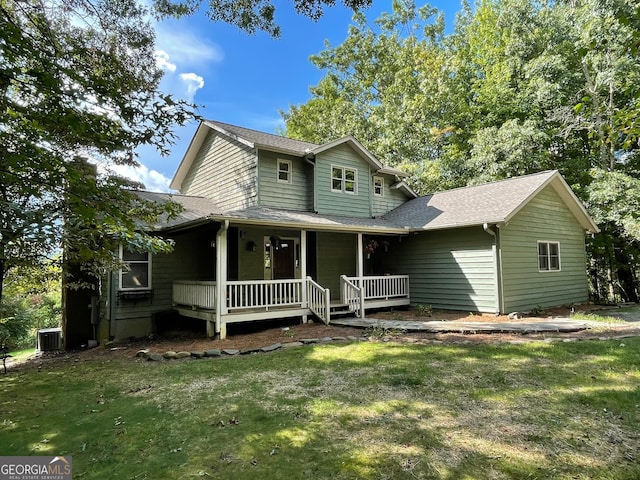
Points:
(344, 180)
(378, 186)
(284, 171)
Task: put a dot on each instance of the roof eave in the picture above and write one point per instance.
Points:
(310, 225)
(354, 143)
(188, 157)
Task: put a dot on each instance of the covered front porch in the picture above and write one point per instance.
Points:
(293, 266)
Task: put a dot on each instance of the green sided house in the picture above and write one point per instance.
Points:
(274, 227)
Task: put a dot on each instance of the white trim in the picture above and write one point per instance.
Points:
(375, 179)
(548, 256)
(121, 273)
(289, 171)
(343, 180)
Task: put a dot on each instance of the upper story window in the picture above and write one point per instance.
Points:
(378, 186)
(284, 171)
(136, 272)
(344, 180)
(548, 256)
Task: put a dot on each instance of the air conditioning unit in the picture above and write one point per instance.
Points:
(49, 340)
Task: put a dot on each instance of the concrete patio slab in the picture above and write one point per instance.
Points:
(441, 326)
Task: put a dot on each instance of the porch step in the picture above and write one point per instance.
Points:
(339, 310)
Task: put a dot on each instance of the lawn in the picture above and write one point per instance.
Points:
(368, 410)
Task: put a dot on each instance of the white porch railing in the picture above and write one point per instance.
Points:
(352, 296)
(382, 287)
(194, 294)
(319, 300)
(264, 293)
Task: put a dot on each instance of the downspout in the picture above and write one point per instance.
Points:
(496, 267)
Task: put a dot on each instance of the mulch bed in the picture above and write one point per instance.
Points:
(261, 334)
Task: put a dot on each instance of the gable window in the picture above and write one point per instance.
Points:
(136, 272)
(284, 171)
(344, 180)
(548, 256)
(378, 186)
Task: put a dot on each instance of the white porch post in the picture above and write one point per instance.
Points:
(303, 271)
(360, 257)
(361, 273)
(221, 279)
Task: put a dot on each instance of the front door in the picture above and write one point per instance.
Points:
(284, 259)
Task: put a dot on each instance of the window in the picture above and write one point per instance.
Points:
(378, 186)
(344, 180)
(284, 171)
(548, 256)
(136, 274)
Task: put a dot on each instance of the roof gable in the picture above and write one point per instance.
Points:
(268, 141)
(491, 203)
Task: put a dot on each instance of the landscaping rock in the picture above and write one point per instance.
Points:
(326, 339)
(143, 353)
(271, 348)
(292, 344)
(154, 357)
(246, 351)
(339, 339)
(231, 351)
(169, 355)
(183, 354)
(197, 354)
(309, 340)
(214, 352)
(352, 338)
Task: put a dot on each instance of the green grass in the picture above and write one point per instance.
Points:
(339, 411)
(22, 355)
(594, 317)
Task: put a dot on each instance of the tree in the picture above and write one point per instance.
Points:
(518, 87)
(386, 85)
(251, 15)
(77, 79)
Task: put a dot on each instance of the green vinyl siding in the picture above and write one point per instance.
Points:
(337, 255)
(448, 269)
(193, 258)
(339, 203)
(224, 171)
(391, 198)
(545, 218)
(297, 195)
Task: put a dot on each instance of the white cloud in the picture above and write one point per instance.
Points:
(153, 180)
(162, 61)
(185, 48)
(194, 82)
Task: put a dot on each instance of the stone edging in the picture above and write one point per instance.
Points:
(229, 352)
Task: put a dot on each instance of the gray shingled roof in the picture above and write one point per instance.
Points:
(328, 222)
(489, 203)
(195, 209)
(264, 139)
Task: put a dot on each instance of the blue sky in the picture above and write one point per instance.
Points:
(245, 79)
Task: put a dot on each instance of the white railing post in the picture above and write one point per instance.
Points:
(327, 305)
